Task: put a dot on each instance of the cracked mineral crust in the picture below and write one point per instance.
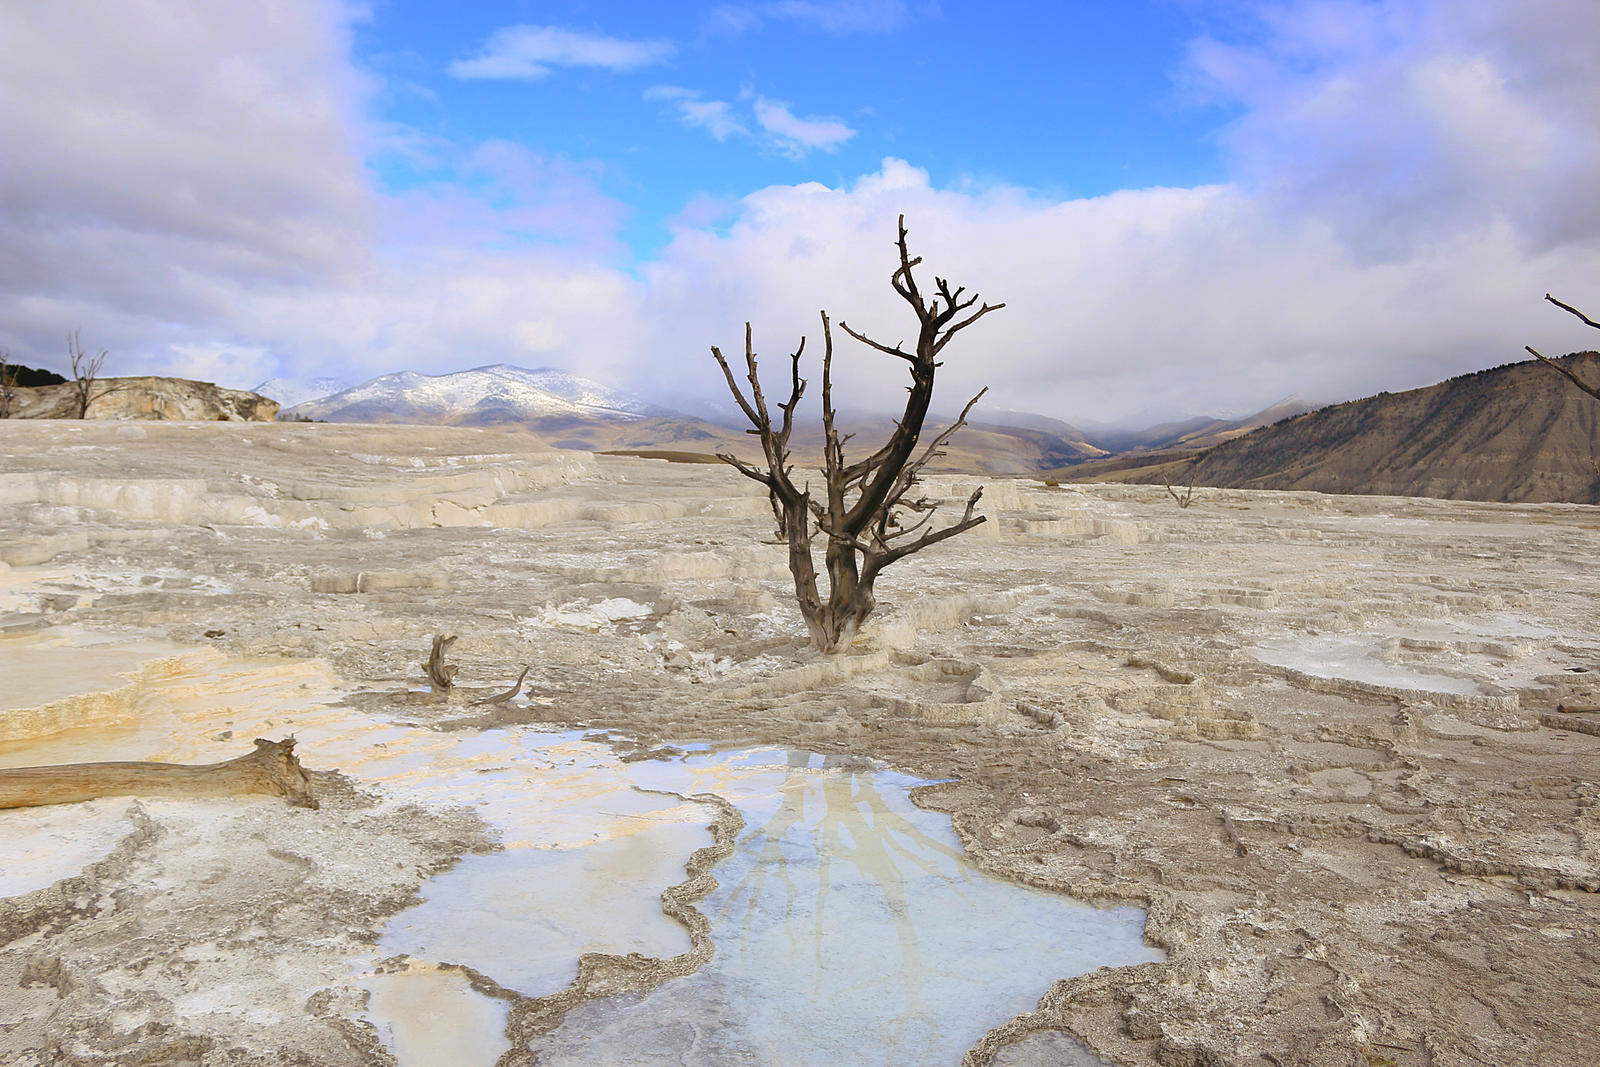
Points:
(1318, 738)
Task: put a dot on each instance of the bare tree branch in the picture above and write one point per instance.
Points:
(1587, 321)
(746, 469)
(85, 371)
(858, 513)
(864, 339)
(733, 386)
(8, 385)
(968, 521)
(1187, 497)
(935, 448)
(1593, 391)
(786, 501)
(963, 324)
(271, 768)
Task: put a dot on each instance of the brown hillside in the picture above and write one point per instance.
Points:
(1515, 433)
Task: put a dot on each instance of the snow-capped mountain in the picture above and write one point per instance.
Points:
(288, 392)
(495, 394)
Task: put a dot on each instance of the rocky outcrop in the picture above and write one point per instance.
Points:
(147, 398)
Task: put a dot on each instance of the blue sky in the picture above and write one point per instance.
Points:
(1188, 206)
(1069, 99)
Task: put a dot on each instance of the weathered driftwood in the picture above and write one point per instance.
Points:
(272, 769)
(440, 675)
(501, 698)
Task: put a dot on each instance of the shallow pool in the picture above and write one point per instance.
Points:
(848, 926)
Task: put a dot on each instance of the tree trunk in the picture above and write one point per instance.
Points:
(271, 769)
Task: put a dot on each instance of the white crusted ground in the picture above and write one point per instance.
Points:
(1365, 687)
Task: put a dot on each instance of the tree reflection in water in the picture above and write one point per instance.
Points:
(848, 927)
(837, 816)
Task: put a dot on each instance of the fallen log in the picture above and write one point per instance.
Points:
(271, 769)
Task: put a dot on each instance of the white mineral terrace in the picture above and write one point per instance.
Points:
(846, 925)
(1327, 767)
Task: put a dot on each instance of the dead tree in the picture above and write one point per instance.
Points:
(1592, 390)
(1186, 497)
(8, 386)
(85, 370)
(271, 768)
(864, 504)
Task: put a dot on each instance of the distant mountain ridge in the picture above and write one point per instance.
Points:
(490, 395)
(1202, 431)
(1515, 433)
(573, 412)
(288, 392)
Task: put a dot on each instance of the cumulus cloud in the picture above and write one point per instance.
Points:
(1409, 177)
(500, 194)
(1402, 122)
(1358, 247)
(219, 361)
(199, 206)
(529, 52)
(144, 187)
(1141, 304)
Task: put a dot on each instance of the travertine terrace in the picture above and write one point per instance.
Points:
(1316, 737)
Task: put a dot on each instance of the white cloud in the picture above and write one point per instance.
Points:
(796, 136)
(1142, 304)
(198, 205)
(1362, 247)
(780, 128)
(845, 16)
(831, 16)
(732, 19)
(146, 185)
(217, 361)
(716, 117)
(528, 52)
(1401, 122)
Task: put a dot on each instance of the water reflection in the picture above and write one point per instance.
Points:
(524, 916)
(838, 816)
(848, 928)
